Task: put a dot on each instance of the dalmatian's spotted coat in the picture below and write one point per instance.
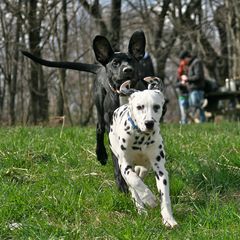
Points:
(136, 141)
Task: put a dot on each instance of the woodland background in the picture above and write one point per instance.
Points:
(63, 30)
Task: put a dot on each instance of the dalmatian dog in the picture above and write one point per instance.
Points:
(136, 141)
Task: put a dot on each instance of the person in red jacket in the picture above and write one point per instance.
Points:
(182, 89)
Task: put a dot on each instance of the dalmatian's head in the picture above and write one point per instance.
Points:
(146, 106)
(146, 109)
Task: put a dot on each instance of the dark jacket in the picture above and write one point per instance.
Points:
(196, 74)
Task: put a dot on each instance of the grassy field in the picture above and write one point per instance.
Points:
(52, 186)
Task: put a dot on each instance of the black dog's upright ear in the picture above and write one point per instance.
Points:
(102, 49)
(137, 45)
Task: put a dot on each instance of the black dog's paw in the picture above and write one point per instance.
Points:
(102, 156)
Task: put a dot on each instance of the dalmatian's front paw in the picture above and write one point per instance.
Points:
(169, 222)
(149, 199)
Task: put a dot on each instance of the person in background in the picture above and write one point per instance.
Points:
(195, 82)
(182, 89)
(145, 67)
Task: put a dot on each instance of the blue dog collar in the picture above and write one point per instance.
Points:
(134, 126)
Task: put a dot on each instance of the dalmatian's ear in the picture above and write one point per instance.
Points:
(154, 83)
(125, 89)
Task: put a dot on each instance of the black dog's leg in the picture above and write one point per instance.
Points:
(111, 102)
(121, 184)
(100, 148)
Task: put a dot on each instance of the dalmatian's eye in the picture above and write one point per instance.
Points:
(156, 107)
(116, 63)
(140, 107)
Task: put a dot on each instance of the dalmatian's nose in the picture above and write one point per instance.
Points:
(149, 124)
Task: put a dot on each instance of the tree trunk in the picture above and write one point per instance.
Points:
(236, 27)
(230, 37)
(161, 54)
(38, 110)
(34, 40)
(62, 103)
(43, 101)
(222, 65)
(13, 82)
(2, 94)
(62, 57)
(114, 34)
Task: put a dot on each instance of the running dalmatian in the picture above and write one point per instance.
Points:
(136, 141)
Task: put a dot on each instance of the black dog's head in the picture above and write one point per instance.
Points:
(120, 66)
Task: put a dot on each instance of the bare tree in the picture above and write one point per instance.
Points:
(113, 32)
(37, 85)
(232, 24)
(11, 47)
(13, 82)
(62, 102)
(222, 65)
(2, 93)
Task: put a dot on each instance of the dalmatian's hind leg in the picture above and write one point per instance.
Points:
(141, 171)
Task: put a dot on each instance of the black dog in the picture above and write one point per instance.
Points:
(114, 69)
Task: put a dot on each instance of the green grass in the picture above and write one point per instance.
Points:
(52, 187)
